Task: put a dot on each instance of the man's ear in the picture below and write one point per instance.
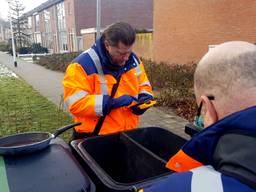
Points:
(211, 115)
(106, 43)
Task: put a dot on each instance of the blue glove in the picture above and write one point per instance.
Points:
(107, 104)
(122, 101)
(110, 103)
(143, 97)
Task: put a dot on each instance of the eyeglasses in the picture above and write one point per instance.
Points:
(198, 122)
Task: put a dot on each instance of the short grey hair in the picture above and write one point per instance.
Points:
(227, 67)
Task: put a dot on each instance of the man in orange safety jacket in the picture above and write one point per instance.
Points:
(91, 76)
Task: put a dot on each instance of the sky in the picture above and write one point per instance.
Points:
(29, 4)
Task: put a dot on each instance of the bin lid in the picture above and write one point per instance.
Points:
(53, 169)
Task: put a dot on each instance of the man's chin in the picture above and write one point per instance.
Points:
(121, 64)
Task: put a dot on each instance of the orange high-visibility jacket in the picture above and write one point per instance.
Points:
(88, 79)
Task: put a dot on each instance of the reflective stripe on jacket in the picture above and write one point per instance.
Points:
(201, 179)
(87, 83)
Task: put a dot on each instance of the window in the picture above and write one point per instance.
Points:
(63, 42)
(29, 22)
(37, 38)
(47, 21)
(37, 24)
(47, 36)
(61, 17)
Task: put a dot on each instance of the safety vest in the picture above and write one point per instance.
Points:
(85, 84)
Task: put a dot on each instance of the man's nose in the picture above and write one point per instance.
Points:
(126, 57)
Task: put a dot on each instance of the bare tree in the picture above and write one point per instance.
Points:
(19, 22)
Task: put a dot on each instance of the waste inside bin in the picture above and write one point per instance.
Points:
(123, 162)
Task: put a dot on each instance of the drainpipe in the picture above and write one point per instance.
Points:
(98, 17)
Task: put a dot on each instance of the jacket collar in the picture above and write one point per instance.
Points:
(202, 146)
(101, 51)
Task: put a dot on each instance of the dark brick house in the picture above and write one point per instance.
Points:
(57, 24)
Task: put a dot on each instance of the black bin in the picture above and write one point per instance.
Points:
(128, 160)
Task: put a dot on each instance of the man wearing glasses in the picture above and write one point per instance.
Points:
(222, 156)
(103, 82)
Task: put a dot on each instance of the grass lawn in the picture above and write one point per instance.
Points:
(22, 109)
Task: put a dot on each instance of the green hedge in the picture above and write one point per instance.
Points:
(4, 47)
(174, 85)
(34, 48)
(56, 62)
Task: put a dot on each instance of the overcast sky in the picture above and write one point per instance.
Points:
(29, 4)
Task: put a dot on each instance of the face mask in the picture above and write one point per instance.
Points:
(199, 123)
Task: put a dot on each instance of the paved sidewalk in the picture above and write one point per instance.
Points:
(49, 84)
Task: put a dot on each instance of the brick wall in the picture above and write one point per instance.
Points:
(139, 13)
(183, 30)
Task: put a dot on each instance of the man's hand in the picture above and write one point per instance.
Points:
(122, 101)
(142, 97)
(110, 103)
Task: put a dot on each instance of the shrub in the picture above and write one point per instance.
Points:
(57, 62)
(24, 50)
(34, 48)
(175, 86)
(37, 48)
(4, 46)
